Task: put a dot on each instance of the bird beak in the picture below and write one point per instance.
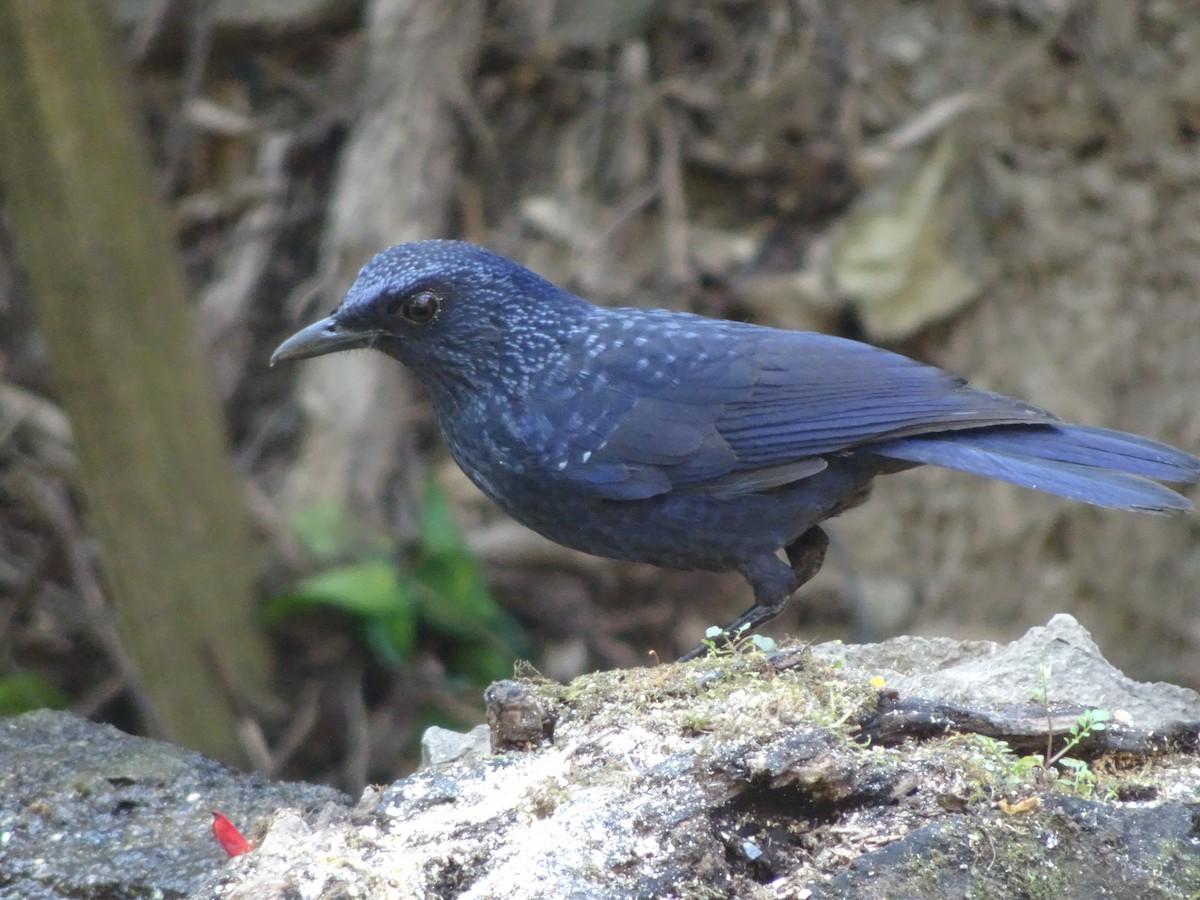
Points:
(319, 338)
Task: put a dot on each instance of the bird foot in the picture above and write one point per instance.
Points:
(773, 583)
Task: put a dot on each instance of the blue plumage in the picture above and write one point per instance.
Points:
(673, 439)
(1095, 465)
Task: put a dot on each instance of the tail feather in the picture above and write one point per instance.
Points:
(1098, 447)
(1093, 465)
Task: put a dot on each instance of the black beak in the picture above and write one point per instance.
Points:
(319, 338)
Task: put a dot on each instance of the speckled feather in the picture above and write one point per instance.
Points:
(689, 442)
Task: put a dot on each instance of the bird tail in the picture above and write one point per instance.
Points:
(1095, 465)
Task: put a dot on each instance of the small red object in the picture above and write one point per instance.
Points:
(228, 836)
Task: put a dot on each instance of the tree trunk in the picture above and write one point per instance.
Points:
(99, 252)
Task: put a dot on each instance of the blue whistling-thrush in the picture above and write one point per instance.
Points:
(692, 443)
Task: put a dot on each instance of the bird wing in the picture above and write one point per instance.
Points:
(817, 394)
(674, 402)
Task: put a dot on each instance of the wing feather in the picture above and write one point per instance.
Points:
(682, 402)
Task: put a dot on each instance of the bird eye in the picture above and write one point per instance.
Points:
(420, 308)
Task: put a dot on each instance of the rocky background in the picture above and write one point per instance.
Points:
(1009, 189)
(917, 767)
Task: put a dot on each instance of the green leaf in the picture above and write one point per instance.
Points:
(328, 535)
(392, 639)
(25, 691)
(455, 594)
(451, 591)
(443, 590)
(322, 530)
(373, 591)
(763, 643)
(439, 534)
(371, 588)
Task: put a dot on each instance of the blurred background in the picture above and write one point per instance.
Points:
(1009, 189)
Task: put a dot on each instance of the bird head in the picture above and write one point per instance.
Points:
(446, 309)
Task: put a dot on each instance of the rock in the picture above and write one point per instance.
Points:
(838, 771)
(981, 673)
(517, 716)
(442, 745)
(753, 775)
(1019, 691)
(87, 811)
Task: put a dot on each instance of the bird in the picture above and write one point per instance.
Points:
(694, 443)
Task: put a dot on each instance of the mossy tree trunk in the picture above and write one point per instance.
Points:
(155, 471)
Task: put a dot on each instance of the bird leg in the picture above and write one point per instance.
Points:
(806, 554)
(774, 582)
